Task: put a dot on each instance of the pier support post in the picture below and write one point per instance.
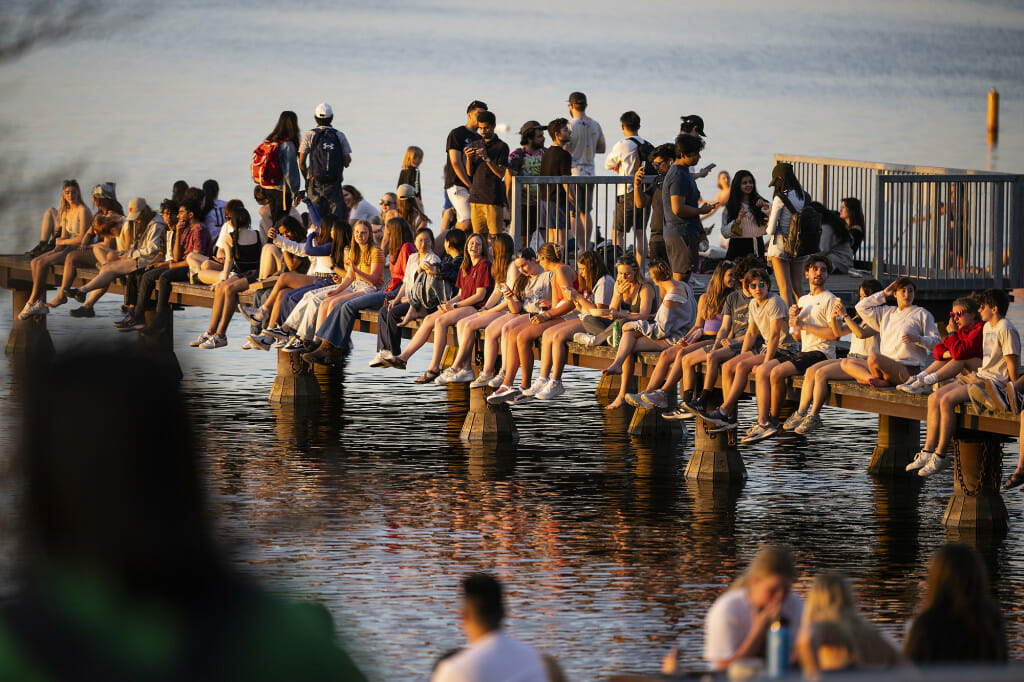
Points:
(160, 347)
(976, 502)
(449, 356)
(715, 457)
(295, 380)
(27, 336)
(647, 422)
(898, 442)
(608, 386)
(488, 423)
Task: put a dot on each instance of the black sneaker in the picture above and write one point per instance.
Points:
(84, 311)
(78, 295)
(695, 407)
(38, 249)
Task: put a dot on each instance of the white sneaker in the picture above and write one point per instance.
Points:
(920, 459)
(552, 390)
(483, 380)
(914, 386)
(497, 381)
(294, 345)
(380, 357)
(261, 341)
(248, 346)
(503, 395)
(584, 339)
(215, 341)
(656, 399)
(200, 340)
(794, 421)
(538, 385)
(445, 377)
(936, 464)
(463, 376)
(32, 309)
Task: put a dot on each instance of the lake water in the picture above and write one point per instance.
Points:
(371, 503)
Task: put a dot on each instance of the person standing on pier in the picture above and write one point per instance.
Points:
(486, 161)
(525, 161)
(809, 319)
(456, 179)
(683, 230)
(626, 157)
(492, 653)
(1000, 365)
(324, 154)
(585, 140)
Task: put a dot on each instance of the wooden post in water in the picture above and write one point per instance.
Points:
(486, 422)
(647, 422)
(28, 337)
(976, 503)
(715, 457)
(160, 347)
(898, 442)
(608, 386)
(295, 380)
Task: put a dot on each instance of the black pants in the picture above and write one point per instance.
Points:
(389, 334)
(627, 215)
(160, 279)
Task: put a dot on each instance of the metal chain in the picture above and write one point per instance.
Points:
(986, 460)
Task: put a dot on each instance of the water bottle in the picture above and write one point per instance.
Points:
(616, 333)
(778, 648)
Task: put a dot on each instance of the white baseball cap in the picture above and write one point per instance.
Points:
(323, 110)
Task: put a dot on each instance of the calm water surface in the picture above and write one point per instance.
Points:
(371, 503)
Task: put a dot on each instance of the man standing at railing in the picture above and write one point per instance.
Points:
(525, 161)
(585, 141)
(456, 179)
(683, 229)
(556, 200)
(486, 161)
(625, 158)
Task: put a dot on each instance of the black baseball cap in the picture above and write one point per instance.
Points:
(693, 122)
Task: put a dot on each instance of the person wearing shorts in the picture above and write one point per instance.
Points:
(486, 161)
(456, 179)
(809, 319)
(680, 196)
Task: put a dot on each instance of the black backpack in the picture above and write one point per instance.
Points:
(643, 152)
(326, 158)
(804, 236)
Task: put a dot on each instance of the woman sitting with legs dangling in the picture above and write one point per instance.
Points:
(474, 284)
(674, 316)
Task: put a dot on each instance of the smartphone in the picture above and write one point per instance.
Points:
(708, 167)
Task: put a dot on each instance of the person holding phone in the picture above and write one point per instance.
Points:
(683, 230)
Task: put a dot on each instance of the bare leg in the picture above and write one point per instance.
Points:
(741, 371)
(560, 336)
(948, 401)
(780, 374)
(781, 270)
(763, 380)
(49, 227)
(420, 337)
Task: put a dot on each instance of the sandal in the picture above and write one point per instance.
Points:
(427, 377)
(1015, 479)
(395, 362)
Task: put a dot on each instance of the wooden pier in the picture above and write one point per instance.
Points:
(976, 501)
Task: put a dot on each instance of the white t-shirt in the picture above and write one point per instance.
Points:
(604, 290)
(215, 218)
(762, 315)
(816, 310)
(893, 323)
(997, 341)
(364, 210)
(495, 657)
(731, 617)
(584, 137)
(623, 159)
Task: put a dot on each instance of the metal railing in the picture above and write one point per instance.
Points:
(832, 180)
(953, 231)
(543, 212)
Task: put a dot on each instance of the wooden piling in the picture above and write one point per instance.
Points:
(28, 338)
(715, 457)
(295, 380)
(647, 422)
(488, 423)
(898, 442)
(976, 502)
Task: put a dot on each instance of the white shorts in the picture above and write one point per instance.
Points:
(459, 196)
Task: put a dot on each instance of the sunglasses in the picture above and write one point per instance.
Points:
(955, 316)
(760, 285)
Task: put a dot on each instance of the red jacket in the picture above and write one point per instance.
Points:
(961, 344)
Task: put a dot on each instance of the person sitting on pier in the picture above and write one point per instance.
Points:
(836, 242)
(61, 233)
(492, 653)
(335, 327)
(325, 250)
(675, 315)
(737, 623)
(207, 269)
(138, 253)
(519, 343)
(815, 388)
(104, 235)
(907, 335)
(960, 350)
(527, 295)
(810, 320)
(960, 621)
(189, 235)
(986, 387)
(475, 283)
(853, 215)
(669, 369)
(595, 294)
(727, 345)
(634, 299)
(503, 270)
(242, 246)
(426, 277)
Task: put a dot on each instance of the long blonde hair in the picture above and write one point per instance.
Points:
(831, 600)
(411, 154)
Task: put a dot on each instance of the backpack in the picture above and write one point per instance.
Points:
(265, 167)
(326, 159)
(804, 236)
(643, 153)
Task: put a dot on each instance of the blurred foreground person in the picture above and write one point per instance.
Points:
(120, 576)
(492, 654)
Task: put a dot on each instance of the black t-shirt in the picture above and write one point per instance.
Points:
(556, 161)
(410, 176)
(458, 138)
(488, 188)
(657, 207)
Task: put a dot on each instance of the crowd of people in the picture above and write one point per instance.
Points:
(318, 254)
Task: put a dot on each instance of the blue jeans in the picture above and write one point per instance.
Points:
(337, 327)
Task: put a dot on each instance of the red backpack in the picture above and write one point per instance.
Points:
(266, 170)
